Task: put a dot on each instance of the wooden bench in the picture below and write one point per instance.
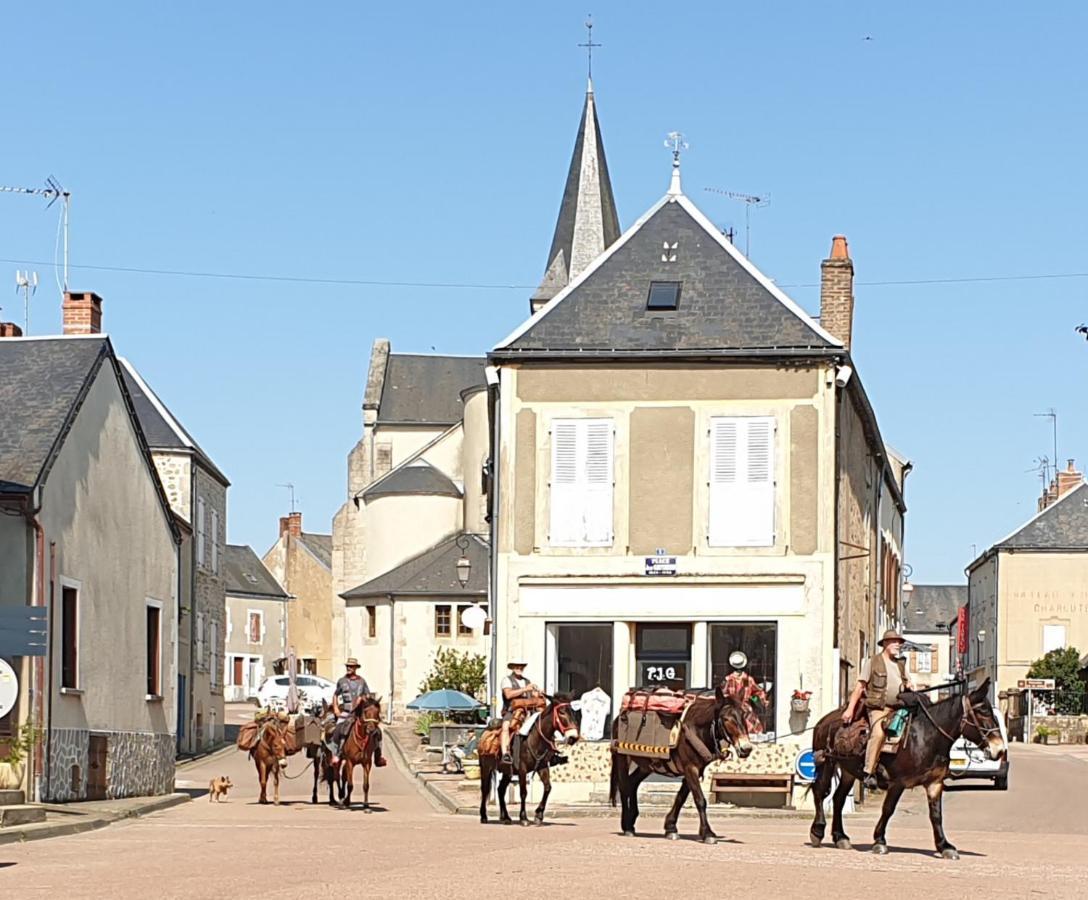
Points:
(737, 782)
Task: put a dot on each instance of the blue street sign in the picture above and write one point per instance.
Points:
(23, 630)
(805, 766)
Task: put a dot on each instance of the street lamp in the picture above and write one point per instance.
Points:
(463, 564)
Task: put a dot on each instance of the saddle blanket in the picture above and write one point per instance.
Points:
(530, 721)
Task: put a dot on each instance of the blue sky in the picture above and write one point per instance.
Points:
(429, 143)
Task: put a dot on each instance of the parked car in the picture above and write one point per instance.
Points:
(969, 761)
(312, 690)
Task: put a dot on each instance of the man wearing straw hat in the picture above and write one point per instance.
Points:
(514, 685)
(348, 692)
(880, 682)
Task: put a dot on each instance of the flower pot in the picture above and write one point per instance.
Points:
(11, 776)
(799, 704)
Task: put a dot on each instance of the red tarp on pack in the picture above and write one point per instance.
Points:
(661, 700)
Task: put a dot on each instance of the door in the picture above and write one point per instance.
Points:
(236, 680)
(97, 755)
(663, 655)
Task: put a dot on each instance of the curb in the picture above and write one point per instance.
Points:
(191, 761)
(436, 797)
(40, 831)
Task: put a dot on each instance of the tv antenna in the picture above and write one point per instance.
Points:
(27, 282)
(1052, 414)
(749, 201)
(53, 192)
(290, 487)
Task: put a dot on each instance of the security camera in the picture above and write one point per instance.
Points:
(842, 376)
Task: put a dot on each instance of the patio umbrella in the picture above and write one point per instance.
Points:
(445, 700)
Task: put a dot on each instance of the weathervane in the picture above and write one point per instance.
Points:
(589, 45)
(676, 143)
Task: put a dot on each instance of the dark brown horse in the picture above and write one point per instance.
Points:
(270, 755)
(556, 726)
(922, 761)
(324, 771)
(713, 719)
(360, 749)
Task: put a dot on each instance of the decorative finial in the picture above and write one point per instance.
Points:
(675, 142)
(589, 45)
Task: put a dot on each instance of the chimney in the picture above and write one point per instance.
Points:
(1069, 479)
(10, 329)
(82, 313)
(291, 524)
(837, 291)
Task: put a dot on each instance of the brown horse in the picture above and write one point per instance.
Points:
(922, 760)
(711, 720)
(270, 754)
(537, 750)
(362, 746)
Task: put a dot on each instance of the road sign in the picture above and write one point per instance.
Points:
(660, 564)
(805, 766)
(9, 688)
(1036, 684)
(23, 630)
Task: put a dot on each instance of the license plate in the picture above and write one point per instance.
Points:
(958, 760)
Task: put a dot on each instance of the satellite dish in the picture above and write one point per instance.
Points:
(9, 688)
(473, 617)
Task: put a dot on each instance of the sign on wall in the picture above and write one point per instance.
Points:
(961, 634)
(660, 564)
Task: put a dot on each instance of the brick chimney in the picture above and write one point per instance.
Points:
(291, 524)
(82, 313)
(837, 291)
(1066, 481)
(10, 329)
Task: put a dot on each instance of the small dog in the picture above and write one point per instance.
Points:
(218, 787)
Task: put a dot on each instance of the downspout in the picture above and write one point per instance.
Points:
(190, 713)
(392, 657)
(177, 648)
(37, 663)
(492, 375)
(48, 790)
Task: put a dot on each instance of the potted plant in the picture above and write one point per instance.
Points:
(1043, 734)
(13, 754)
(799, 701)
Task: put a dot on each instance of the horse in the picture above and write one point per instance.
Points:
(270, 754)
(537, 749)
(710, 721)
(324, 771)
(359, 750)
(922, 760)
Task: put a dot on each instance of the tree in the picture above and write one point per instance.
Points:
(1064, 667)
(465, 672)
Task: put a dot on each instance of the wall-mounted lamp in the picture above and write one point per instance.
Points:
(463, 564)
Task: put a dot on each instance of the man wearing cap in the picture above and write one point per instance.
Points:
(350, 689)
(746, 690)
(880, 682)
(514, 685)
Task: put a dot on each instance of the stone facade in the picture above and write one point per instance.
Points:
(209, 606)
(174, 473)
(138, 764)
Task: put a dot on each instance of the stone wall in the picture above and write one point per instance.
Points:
(209, 602)
(1071, 729)
(138, 764)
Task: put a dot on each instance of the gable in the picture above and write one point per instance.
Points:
(725, 304)
(1061, 526)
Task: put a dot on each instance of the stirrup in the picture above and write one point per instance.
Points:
(507, 759)
(870, 782)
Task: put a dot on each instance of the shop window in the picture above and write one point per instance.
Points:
(759, 642)
(583, 658)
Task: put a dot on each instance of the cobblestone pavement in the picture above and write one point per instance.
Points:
(1029, 841)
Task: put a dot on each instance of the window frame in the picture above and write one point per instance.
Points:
(581, 490)
(438, 608)
(259, 613)
(664, 283)
(371, 621)
(153, 666)
(71, 584)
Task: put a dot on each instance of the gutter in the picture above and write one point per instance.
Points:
(392, 658)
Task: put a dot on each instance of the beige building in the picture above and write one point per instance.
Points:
(257, 623)
(686, 465)
(1028, 593)
(87, 530)
(929, 619)
(415, 508)
(301, 561)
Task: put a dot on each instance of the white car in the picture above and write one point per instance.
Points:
(969, 761)
(312, 690)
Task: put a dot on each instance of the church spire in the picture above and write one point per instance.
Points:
(587, 223)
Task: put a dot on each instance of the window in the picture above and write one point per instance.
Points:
(215, 541)
(759, 642)
(69, 664)
(742, 489)
(255, 632)
(237, 665)
(582, 483)
(583, 659)
(213, 649)
(1053, 638)
(442, 621)
(663, 295)
(462, 629)
(309, 666)
(200, 531)
(923, 662)
(372, 621)
(154, 654)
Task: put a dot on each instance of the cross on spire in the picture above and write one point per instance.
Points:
(589, 45)
(676, 143)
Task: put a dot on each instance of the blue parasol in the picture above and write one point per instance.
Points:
(445, 700)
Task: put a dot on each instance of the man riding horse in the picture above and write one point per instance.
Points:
(350, 691)
(514, 685)
(881, 680)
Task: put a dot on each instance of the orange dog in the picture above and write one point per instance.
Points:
(218, 788)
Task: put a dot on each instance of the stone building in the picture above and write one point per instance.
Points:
(87, 529)
(197, 491)
(301, 561)
(257, 622)
(670, 411)
(415, 489)
(930, 615)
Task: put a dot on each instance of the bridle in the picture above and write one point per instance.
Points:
(969, 717)
(555, 725)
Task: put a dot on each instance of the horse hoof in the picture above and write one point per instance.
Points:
(880, 849)
(843, 844)
(949, 853)
(483, 820)
(672, 836)
(525, 823)
(710, 839)
(507, 821)
(815, 840)
(628, 834)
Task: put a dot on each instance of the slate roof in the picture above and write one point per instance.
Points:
(320, 545)
(932, 607)
(432, 573)
(42, 384)
(416, 478)
(726, 305)
(161, 427)
(426, 390)
(246, 575)
(1061, 526)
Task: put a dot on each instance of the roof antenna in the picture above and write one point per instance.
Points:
(1053, 416)
(27, 282)
(53, 191)
(749, 200)
(589, 45)
(291, 488)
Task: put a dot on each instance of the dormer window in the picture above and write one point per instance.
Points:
(664, 295)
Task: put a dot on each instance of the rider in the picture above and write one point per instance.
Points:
(880, 682)
(350, 691)
(514, 685)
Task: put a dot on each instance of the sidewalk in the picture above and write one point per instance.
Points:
(87, 815)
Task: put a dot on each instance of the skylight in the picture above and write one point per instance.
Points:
(664, 295)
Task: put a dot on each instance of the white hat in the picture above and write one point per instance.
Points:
(738, 660)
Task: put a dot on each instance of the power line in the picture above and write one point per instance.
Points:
(968, 280)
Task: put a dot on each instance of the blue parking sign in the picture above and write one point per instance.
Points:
(805, 766)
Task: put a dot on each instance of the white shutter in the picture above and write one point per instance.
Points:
(199, 661)
(200, 531)
(230, 624)
(215, 541)
(597, 509)
(581, 483)
(213, 640)
(566, 510)
(742, 486)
